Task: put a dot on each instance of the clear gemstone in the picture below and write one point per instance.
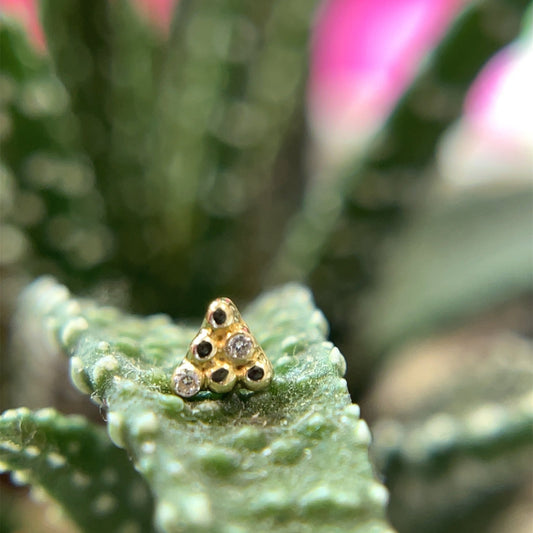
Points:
(239, 347)
(186, 382)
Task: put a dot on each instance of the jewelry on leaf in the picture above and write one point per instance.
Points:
(222, 354)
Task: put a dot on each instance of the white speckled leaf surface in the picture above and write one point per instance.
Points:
(76, 465)
(292, 458)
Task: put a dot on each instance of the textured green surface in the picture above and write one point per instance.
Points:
(76, 464)
(463, 461)
(462, 440)
(293, 458)
(492, 429)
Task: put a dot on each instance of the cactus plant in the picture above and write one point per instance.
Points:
(152, 168)
(294, 456)
(75, 464)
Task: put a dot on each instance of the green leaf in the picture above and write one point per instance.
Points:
(292, 458)
(46, 184)
(454, 260)
(76, 464)
(78, 39)
(52, 197)
(441, 457)
(463, 436)
(234, 79)
(108, 59)
(186, 136)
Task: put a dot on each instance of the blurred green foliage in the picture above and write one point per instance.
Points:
(157, 173)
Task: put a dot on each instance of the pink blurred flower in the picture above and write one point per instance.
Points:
(158, 12)
(494, 139)
(26, 12)
(364, 54)
(500, 101)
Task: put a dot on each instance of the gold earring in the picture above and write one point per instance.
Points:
(222, 354)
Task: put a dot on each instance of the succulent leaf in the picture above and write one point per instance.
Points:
(233, 75)
(475, 417)
(75, 464)
(294, 457)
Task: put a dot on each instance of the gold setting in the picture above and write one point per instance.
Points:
(222, 354)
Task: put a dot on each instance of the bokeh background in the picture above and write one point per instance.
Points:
(156, 154)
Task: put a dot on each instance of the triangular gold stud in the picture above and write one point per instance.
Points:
(222, 354)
